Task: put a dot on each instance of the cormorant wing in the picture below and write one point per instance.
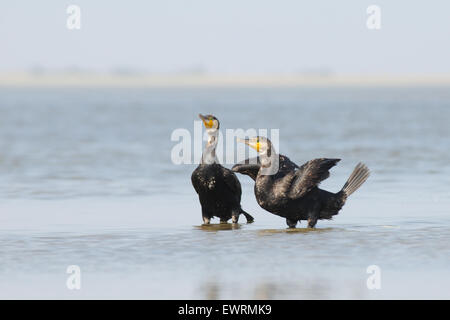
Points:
(195, 179)
(286, 165)
(229, 178)
(232, 182)
(310, 175)
(249, 167)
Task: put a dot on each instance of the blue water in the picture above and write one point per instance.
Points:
(86, 178)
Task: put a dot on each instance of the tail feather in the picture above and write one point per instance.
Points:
(247, 216)
(356, 179)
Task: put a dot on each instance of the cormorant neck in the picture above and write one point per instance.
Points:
(269, 161)
(209, 153)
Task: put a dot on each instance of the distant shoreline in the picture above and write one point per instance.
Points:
(215, 80)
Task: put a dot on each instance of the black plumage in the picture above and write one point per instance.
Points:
(219, 192)
(218, 188)
(292, 192)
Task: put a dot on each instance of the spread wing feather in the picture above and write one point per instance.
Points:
(249, 167)
(309, 176)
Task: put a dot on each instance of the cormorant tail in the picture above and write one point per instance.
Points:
(247, 216)
(356, 179)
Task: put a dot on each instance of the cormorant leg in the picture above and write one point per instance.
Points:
(223, 221)
(206, 220)
(291, 223)
(312, 222)
(235, 216)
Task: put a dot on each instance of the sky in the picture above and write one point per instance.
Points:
(228, 36)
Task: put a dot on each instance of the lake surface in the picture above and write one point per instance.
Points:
(86, 179)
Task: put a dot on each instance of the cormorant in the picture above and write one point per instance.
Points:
(218, 188)
(292, 192)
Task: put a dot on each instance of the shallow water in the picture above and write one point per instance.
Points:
(86, 179)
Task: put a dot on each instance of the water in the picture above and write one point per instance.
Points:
(86, 179)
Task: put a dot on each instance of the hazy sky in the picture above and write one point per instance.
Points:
(248, 36)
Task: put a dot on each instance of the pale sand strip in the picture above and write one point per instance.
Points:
(211, 80)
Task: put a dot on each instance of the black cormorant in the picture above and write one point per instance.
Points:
(292, 192)
(218, 188)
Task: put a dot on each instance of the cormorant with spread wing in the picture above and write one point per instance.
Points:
(218, 188)
(290, 191)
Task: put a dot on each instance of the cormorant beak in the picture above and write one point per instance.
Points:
(208, 123)
(253, 143)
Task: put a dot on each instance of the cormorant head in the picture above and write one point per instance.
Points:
(210, 122)
(212, 129)
(261, 144)
(267, 155)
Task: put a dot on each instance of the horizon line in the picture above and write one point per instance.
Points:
(184, 79)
